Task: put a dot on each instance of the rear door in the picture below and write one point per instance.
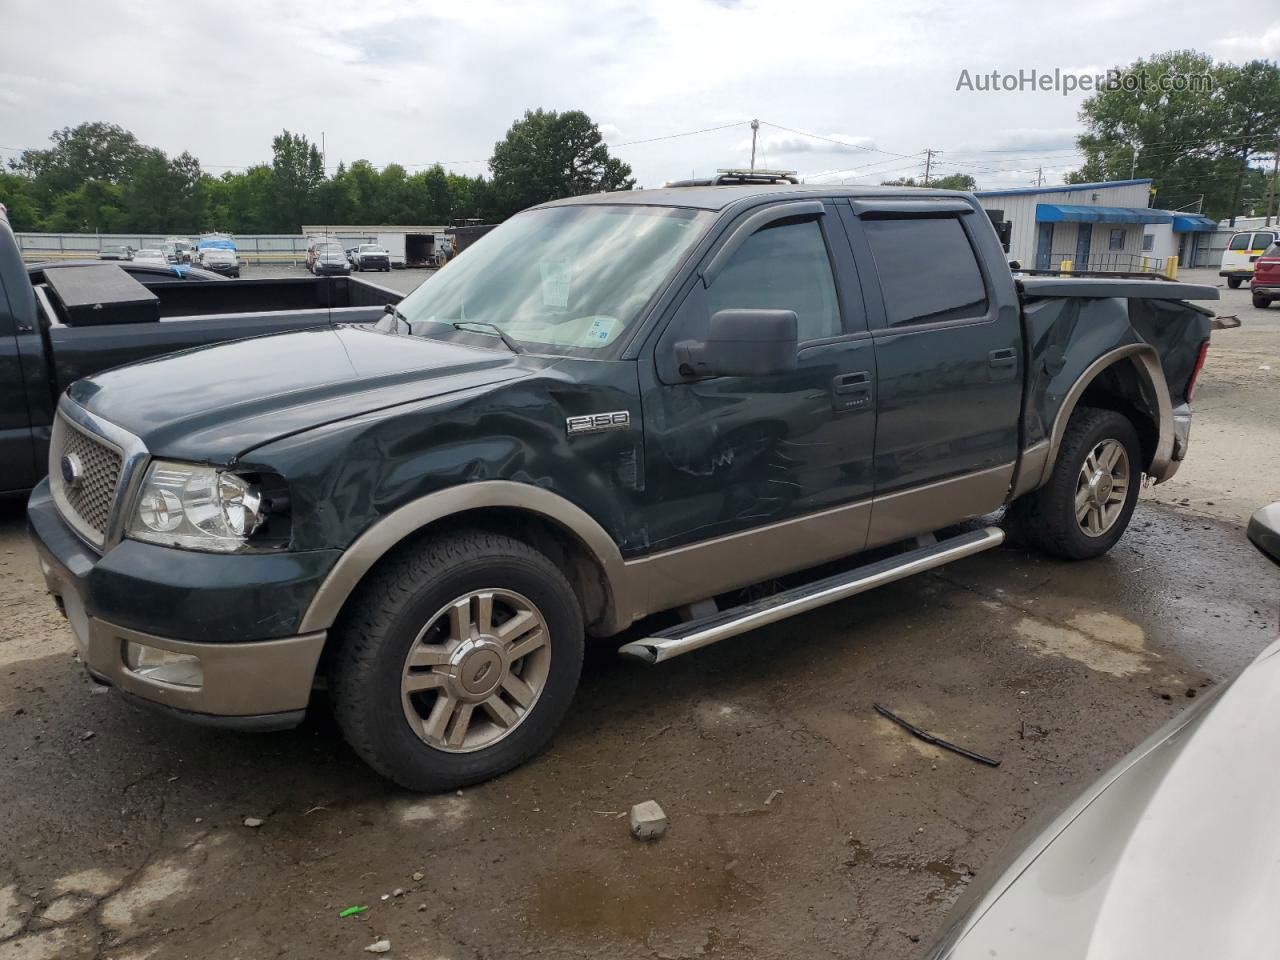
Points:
(949, 363)
(1238, 257)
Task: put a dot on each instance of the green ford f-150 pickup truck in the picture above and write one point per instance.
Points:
(613, 406)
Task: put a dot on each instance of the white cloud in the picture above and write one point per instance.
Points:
(388, 81)
(1265, 44)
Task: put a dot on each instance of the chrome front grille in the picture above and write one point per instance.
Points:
(84, 475)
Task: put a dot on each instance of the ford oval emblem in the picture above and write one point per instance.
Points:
(72, 471)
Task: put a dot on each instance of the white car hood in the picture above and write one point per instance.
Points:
(1174, 854)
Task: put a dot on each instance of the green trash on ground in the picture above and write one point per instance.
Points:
(352, 911)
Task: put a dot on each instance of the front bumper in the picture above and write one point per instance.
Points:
(223, 267)
(332, 269)
(372, 264)
(238, 614)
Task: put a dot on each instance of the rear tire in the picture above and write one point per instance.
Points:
(1086, 505)
(1234, 282)
(1261, 302)
(422, 657)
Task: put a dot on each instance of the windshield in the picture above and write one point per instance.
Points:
(567, 279)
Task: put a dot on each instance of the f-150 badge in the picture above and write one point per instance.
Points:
(597, 423)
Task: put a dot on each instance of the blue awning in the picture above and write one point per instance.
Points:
(1081, 213)
(1192, 223)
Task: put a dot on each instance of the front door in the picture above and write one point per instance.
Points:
(1044, 246)
(1083, 238)
(17, 453)
(744, 454)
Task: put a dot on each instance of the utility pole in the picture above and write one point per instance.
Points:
(928, 163)
(755, 128)
(1039, 176)
(1271, 187)
(323, 168)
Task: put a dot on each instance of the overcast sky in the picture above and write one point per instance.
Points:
(417, 83)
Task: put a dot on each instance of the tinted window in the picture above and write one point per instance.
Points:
(1117, 239)
(1148, 242)
(927, 269)
(782, 267)
(1240, 241)
(1272, 251)
(1262, 240)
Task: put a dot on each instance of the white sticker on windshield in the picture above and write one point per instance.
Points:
(601, 331)
(555, 283)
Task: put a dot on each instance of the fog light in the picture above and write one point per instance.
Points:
(180, 669)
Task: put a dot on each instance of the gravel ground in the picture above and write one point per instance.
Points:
(802, 823)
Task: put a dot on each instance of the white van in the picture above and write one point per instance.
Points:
(1242, 250)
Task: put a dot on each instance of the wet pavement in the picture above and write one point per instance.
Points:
(802, 823)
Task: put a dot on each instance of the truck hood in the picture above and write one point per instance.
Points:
(214, 403)
(1174, 853)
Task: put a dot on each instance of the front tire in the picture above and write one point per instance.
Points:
(1234, 282)
(458, 661)
(1086, 505)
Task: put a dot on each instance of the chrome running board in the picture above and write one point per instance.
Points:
(693, 634)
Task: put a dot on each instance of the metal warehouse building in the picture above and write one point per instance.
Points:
(1095, 226)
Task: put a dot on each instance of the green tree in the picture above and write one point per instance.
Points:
(547, 155)
(96, 206)
(952, 181)
(1194, 142)
(297, 170)
(16, 194)
(163, 194)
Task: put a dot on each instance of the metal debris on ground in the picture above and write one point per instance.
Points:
(380, 946)
(253, 821)
(930, 738)
(352, 911)
(648, 821)
(772, 797)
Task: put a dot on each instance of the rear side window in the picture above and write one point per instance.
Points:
(1262, 240)
(784, 266)
(928, 270)
(1241, 241)
(1272, 251)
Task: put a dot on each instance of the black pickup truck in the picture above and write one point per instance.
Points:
(63, 321)
(615, 410)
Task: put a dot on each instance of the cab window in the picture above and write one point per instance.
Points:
(928, 270)
(783, 266)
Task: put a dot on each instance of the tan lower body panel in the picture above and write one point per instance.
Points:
(704, 569)
(239, 679)
(907, 513)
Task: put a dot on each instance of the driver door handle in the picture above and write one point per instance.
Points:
(851, 391)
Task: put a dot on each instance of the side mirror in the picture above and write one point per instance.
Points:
(1264, 531)
(742, 343)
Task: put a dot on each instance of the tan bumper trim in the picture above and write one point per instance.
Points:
(240, 679)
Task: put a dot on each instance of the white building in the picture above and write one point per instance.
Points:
(1095, 226)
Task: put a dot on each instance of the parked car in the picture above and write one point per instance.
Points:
(370, 256)
(1171, 853)
(1265, 282)
(219, 260)
(314, 246)
(65, 320)
(1242, 250)
(116, 251)
(151, 255)
(614, 405)
(177, 249)
(330, 260)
